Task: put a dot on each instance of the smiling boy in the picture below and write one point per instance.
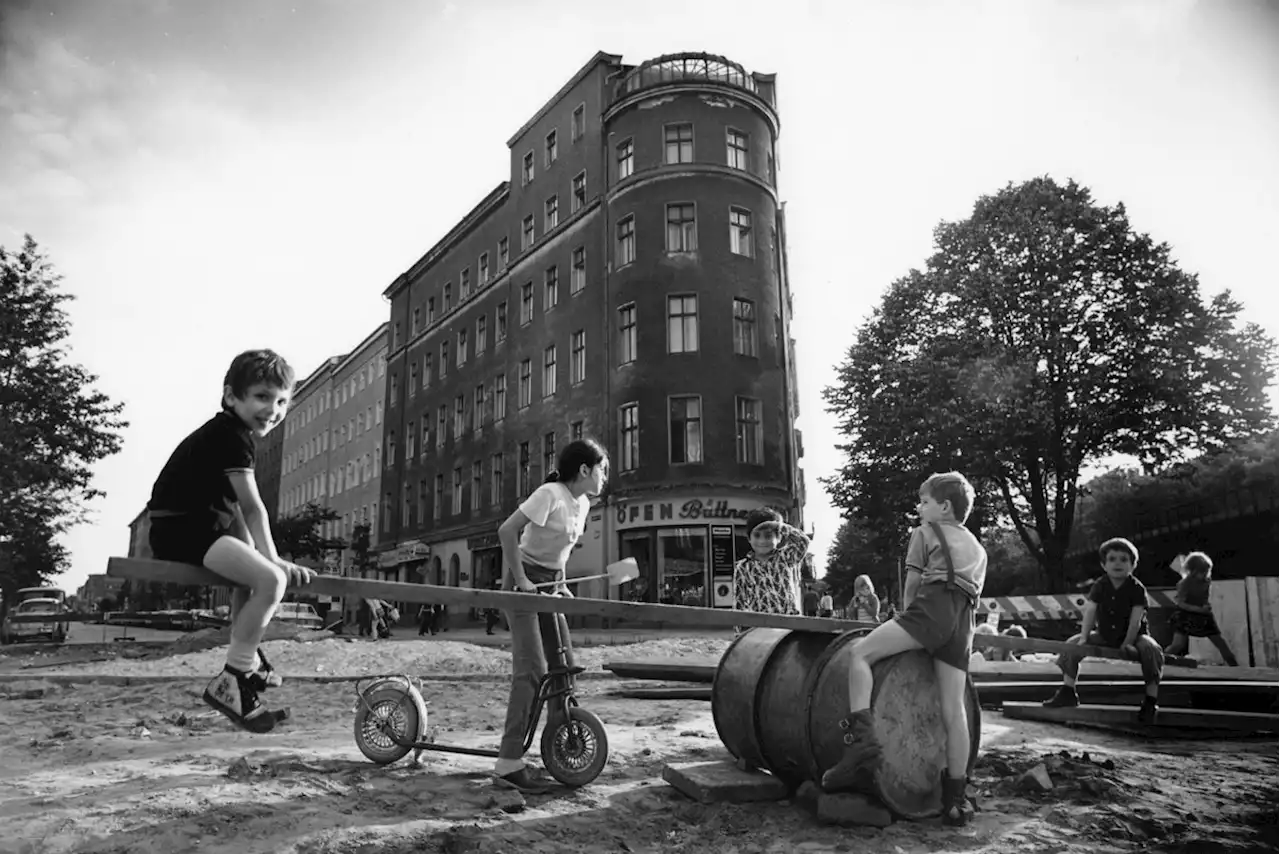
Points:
(1115, 615)
(205, 510)
(768, 580)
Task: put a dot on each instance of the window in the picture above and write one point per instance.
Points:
(522, 470)
(439, 502)
(579, 193)
(431, 313)
(464, 284)
(495, 479)
(740, 231)
(413, 379)
(477, 408)
(578, 274)
(744, 327)
(549, 371)
(378, 409)
(736, 143)
(448, 297)
(417, 321)
(526, 172)
(422, 501)
(626, 159)
(552, 150)
(626, 241)
(500, 327)
(395, 336)
(500, 397)
(769, 169)
(682, 324)
(444, 359)
(425, 442)
(442, 424)
(679, 140)
(483, 267)
(426, 370)
(386, 517)
(391, 450)
(548, 453)
(459, 416)
(552, 214)
(682, 228)
(686, 429)
(578, 127)
(526, 303)
(578, 357)
(395, 389)
(526, 232)
(482, 333)
(627, 334)
(477, 482)
(525, 390)
(504, 253)
(575, 431)
(750, 435)
(550, 288)
(629, 427)
(457, 491)
(462, 347)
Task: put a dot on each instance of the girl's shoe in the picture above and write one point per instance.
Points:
(525, 781)
(956, 808)
(265, 676)
(231, 692)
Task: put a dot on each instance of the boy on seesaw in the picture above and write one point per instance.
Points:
(205, 510)
(946, 568)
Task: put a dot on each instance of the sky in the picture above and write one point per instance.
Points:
(211, 177)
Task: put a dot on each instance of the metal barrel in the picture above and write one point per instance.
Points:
(779, 695)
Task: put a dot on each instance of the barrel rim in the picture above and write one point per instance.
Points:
(754, 726)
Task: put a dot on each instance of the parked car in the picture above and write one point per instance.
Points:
(298, 613)
(13, 632)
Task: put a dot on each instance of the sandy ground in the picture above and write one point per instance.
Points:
(146, 768)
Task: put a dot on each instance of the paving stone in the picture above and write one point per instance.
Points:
(1036, 780)
(723, 782)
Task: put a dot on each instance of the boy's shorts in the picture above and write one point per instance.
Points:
(185, 539)
(941, 620)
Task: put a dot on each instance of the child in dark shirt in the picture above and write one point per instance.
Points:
(205, 510)
(1194, 615)
(1115, 615)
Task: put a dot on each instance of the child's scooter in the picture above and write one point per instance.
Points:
(391, 716)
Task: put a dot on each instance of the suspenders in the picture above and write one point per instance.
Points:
(946, 556)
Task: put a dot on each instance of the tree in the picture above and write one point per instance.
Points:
(360, 545)
(853, 553)
(300, 535)
(53, 425)
(1043, 335)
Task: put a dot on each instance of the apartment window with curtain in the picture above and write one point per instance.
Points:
(522, 471)
(579, 192)
(629, 437)
(749, 431)
(578, 357)
(442, 424)
(626, 157)
(413, 379)
(526, 172)
(459, 415)
(526, 303)
(426, 370)
(682, 227)
(477, 483)
(552, 149)
(578, 126)
(457, 491)
(422, 501)
(482, 334)
(578, 273)
(464, 284)
(504, 253)
(495, 479)
(686, 429)
(679, 143)
(444, 359)
(437, 506)
(627, 334)
(462, 347)
(483, 267)
(575, 430)
(549, 371)
(525, 389)
(626, 240)
(477, 408)
(740, 232)
(552, 214)
(744, 327)
(526, 232)
(448, 297)
(500, 325)
(736, 143)
(550, 288)
(499, 397)
(682, 323)
(548, 453)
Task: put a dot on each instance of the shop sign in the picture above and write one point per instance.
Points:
(693, 510)
(404, 553)
(483, 541)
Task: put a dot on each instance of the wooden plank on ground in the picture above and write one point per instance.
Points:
(692, 692)
(395, 591)
(1245, 723)
(1230, 610)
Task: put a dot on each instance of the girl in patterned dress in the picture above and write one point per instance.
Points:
(768, 580)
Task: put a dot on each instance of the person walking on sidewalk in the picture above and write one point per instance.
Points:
(536, 542)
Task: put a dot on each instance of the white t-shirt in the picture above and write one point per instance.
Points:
(556, 521)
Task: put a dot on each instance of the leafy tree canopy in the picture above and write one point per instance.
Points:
(1044, 334)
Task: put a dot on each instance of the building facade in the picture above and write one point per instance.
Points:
(267, 464)
(628, 283)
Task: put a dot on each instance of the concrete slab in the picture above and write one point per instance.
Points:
(723, 783)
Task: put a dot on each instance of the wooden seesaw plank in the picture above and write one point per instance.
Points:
(140, 569)
(1124, 717)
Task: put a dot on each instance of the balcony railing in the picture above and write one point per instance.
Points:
(679, 67)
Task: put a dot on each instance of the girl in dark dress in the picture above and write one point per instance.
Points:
(1194, 615)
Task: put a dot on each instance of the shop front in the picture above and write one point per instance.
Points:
(685, 547)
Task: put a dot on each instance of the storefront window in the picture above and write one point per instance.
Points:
(637, 545)
(682, 566)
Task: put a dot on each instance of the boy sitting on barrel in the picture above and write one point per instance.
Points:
(946, 568)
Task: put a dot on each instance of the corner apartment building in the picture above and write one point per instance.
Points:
(267, 464)
(627, 283)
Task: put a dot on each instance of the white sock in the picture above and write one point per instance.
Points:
(242, 656)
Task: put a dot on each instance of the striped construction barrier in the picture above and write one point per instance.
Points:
(1054, 606)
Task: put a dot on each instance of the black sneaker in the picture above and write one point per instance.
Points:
(956, 806)
(265, 676)
(231, 692)
(1065, 698)
(1147, 711)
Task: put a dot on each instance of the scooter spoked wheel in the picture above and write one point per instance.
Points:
(389, 706)
(575, 747)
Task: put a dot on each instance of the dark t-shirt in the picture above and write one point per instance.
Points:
(1114, 606)
(194, 481)
(1194, 590)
